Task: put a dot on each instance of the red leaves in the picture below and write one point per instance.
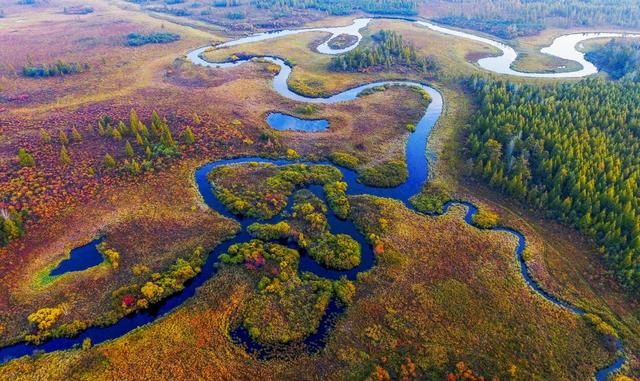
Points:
(256, 261)
(128, 300)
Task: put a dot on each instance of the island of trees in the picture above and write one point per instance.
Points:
(388, 50)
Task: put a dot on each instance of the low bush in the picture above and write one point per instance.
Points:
(385, 175)
(138, 39)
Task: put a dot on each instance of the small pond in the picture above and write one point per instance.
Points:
(284, 122)
(80, 258)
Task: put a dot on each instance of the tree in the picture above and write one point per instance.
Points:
(129, 149)
(188, 137)
(45, 136)
(75, 134)
(152, 291)
(134, 167)
(196, 119)
(25, 159)
(133, 121)
(109, 161)
(45, 318)
(116, 135)
(494, 150)
(64, 156)
(9, 230)
(64, 139)
(166, 139)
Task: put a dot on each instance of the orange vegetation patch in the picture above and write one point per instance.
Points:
(432, 300)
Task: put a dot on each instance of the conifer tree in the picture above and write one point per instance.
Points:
(188, 137)
(109, 161)
(25, 159)
(129, 149)
(64, 139)
(64, 156)
(75, 134)
(45, 136)
(133, 121)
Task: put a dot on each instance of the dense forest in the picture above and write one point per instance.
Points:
(512, 18)
(340, 7)
(619, 57)
(572, 150)
(389, 49)
(502, 28)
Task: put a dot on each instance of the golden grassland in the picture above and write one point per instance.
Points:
(97, 39)
(134, 213)
(466, 296)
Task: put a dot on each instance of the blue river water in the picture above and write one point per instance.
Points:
(417, 164)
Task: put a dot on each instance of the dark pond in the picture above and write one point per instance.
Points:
(81, 258)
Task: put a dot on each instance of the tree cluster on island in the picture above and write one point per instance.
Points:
(388, 50)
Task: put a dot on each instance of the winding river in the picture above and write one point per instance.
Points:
(562, 47)
(416, 158)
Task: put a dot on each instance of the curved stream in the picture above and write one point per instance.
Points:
(563, 47)
(416, 158)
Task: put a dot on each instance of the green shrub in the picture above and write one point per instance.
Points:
(138, 39)
(337, 198)
(485, 219)
(270, 232)
(345, 160)
(345, 290)
(385, 175)
(338, 251)
(431, 199)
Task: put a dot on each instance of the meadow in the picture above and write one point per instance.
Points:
(385, 330)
